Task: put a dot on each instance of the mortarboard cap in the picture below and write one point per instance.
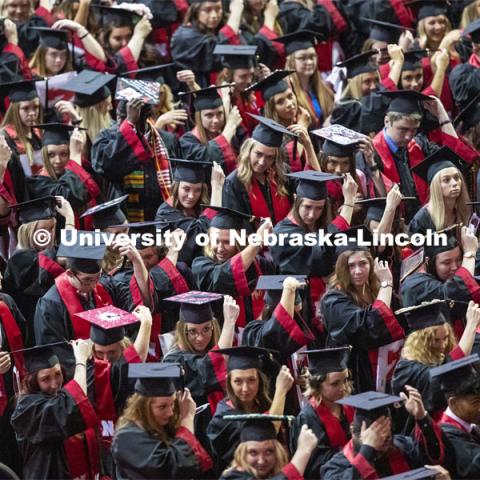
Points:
(370, 405)
(271, 85)
(191, 171)
(206, 98)
(312, 184)
(421, 473)
(195, 305)
(257, 427)
(142, 228)
(155, 379)
(451, 374)
(268, 132)
(56, 133)
(434, 163)
(19, 91)
(470, 114)
(373, 108)
(340, 141)
(273, 286)
(376, 206)
(385, 31)
(412, 59)
(428, 8)
(52, 38)
(152, 74)
(405, 101)
(245, 357)
(352, 240)
(411, 263)
(107, 324)
(347, 113)
(116, 16)
(299, 40)
(85, 250)
(89, 87)
(473, 31)
(427, 314)
(328, 360)
(38, 209)
(228, 218)
(107, 214)
(236, 56)
(361, 63)
(431, 251)
(39, 357)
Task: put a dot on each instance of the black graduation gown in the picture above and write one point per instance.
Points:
(421, 222)
(139, 455)
(288, 472)
(27, 37)
(366, 329)
(294, 16)
(324, 450)
(115, 154)
(43, 422)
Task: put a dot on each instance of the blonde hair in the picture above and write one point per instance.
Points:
(469, 14)
(354, 86)
(93, 120)
(276, 174)
(323, 92)
(46, 163)
(3, 8)
(38, 62)
(437, 203)
(138, 410)
(25, 236)
(208, 249)
(422, 31)
(183, 343)
(418, 345)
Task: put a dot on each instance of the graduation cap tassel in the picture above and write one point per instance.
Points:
(46, 93)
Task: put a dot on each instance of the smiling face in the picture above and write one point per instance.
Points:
(261, 456)
(412, 79)
(50, 380)
(189, 194)
(435, 28)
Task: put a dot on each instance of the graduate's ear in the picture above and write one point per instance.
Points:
(386, 121)
(452, 402)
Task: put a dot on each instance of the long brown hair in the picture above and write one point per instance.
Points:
(342, 280)
(322, 222)
(183, 343)
(204, 197)
(191, 16)
(314, 384)
(46, 163)
(30, 383)
(263, 399)
(38, 62)
(202, 133)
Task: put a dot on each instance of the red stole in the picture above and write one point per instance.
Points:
(333, 428)
(245, 107)
(450, 421)
(49, 265)
(281, 204)
(474, 60)
(71, 300)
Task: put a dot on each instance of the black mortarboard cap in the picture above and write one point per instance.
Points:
(328, 360)
(227, 218)
(268, 132)
(272, 84)
(361, 63)
(312, 184)
(206, 98)
(451, 374)
(348, 241)
(299, 40)
(49, 37)
(236, 56)
(116, 16)
(429, 8)
(39, 357)
(19, 91)
(470, 114)
(245, 357)
(89, 87)
(434, 163)
(473, 30)
(385, 31)
(152, 74)
(191, 171)
(412, 59)
(151, 227)
(427, 314)
(347, 113)
(107, 214)
(373, 108)
(431, 251)
(370, 405)
(273, 286)
(56, 133)
(85, 252)
(195, 306)
(257, 427)
(155, 379)
(376, 206)
(405, 101)
(422, 473)
(38, 209)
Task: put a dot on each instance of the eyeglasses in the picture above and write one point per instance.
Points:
(306, 58)
(87, 283)
(191, 332)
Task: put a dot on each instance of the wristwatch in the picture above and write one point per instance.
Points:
(385, 284)
(469, 254)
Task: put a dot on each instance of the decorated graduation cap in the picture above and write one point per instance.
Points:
(236, 56)
(273, 286)
(441, 159)
(38, 209)
(155, 379)
(451, 375)
(19, 91)
(257, 427)
(56, 133)
(312, 184)
(370, 405)
(405, 101)
(107, 324)
(361, 63)
(412, 59)
(429, 8)
(470, 114)
(107, 214)
(195, 306)
(206, 98)
(189, 170)
(116, 16)
(85, 250)
(473, 31)
(385, 31)
(427, 314)
(39, 357)
(328, 360)
(412, 263)
(299, 40)
(227, 218)
(340, 141)
(268, 132)
(245, 357)
(352, 240)
(52, 38)
(271, 85)
(422, 473)
(89, 87)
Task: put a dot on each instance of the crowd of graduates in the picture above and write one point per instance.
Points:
(198, 119)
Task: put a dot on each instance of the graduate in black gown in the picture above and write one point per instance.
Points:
(327, 381)
(377, 452)
(54, 421)
(261, 455)
(155, 435)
